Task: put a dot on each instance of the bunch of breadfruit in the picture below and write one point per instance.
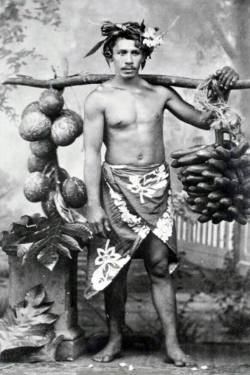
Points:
(216, 178)
(46, 125)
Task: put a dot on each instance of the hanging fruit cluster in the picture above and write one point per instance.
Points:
(217, 180)
(46, 125)
(216, 177)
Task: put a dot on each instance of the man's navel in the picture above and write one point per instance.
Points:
(140, 156)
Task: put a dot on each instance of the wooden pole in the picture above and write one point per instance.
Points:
(88, 79)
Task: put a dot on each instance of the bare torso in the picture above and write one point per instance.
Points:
(133, 124)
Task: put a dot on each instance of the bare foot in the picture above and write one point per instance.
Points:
(176, 356)
(111, 351)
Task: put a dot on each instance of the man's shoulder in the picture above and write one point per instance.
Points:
(96, 98)
(162, 91)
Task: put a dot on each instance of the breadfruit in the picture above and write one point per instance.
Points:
(62, 175)
(66, 128)
(36, 187)
(75, 117)
(36, 164)
(35, 125)
(51, 103)
(43, 149)
(49, 206)
(74, 192)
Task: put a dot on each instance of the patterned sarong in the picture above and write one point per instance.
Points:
(137, 200)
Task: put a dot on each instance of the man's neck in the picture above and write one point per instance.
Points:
(134, 82)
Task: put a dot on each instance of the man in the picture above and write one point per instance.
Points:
(129, 197)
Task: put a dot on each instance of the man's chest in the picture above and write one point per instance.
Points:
(123, 108)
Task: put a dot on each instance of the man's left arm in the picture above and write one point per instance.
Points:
(226, 77)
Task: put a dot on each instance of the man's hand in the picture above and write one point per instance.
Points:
(226, 77)
(98, 220)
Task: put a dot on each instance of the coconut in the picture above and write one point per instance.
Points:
(44, 148)
(51, 103)
(49, 206)
(66, 128)
(36, 187)
(35, 125)
(36, 164)
(74, 192)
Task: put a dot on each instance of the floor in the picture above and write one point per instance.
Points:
(210, 359)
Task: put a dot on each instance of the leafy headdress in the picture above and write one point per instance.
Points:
(147, 38)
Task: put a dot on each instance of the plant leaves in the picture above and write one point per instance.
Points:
(28, 325)
(63, 250)
(48, 258)
(35, 296)
(43, 239)
(70, 242)
(61, 207)
(78, 230)
(95, 48)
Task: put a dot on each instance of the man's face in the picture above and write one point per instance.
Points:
(127, 58)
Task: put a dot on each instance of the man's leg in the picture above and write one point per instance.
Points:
(115, 298)
(156, 255)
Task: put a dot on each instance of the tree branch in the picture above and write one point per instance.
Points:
(88, 79)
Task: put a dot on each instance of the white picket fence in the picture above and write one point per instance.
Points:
(205, 244)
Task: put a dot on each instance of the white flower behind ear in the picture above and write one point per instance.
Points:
(150, 39)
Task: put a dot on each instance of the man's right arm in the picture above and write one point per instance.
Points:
(93, 138)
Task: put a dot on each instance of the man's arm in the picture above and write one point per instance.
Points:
(226, 77)
(93, 138)
(186, 112)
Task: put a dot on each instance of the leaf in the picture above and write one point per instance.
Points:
(28, 325)
(23, 249)
(33, 250)
(48, 258)
(35, 296)
(71, 243)
(45, 238)
(95, 48)
(61, 207)
(78, 230)
(63, 250)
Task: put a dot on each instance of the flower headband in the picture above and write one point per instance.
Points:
(148, 37)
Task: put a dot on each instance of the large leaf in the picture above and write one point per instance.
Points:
(48, 257)
(28, 325)
(44, 239)
(62, 208)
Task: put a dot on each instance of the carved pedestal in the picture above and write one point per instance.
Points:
(61, 287)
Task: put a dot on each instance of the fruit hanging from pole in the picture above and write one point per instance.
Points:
(216, 177)
(46, 125)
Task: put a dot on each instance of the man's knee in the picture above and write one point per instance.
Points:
(159, 269)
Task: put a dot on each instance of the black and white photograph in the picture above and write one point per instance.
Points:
(124, 187)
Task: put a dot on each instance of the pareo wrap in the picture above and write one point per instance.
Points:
(137, 200)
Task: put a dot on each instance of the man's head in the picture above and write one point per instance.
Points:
(127, 57)
(143, 40)
(130, 31)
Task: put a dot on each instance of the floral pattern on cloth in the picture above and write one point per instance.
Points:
(108, 264)
(149, 184)
(134, 222)
(164, 225)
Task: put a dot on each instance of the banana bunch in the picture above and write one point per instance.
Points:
(216, 178)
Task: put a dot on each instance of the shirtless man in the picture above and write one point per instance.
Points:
(126, 114)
